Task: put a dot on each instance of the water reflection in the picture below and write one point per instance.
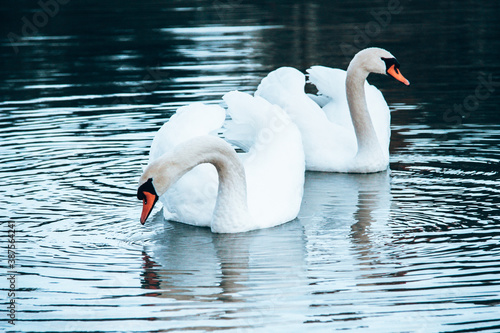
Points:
(343, 221)
(243, 270)
(359, 200)
(174, 268)
(352, 213)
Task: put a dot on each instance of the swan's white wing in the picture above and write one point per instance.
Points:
(254, 121)
(285, 87)
(274, 164)
(331, 82)
(192, 198)
(189, 121)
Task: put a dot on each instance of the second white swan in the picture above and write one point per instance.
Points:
(347, 127)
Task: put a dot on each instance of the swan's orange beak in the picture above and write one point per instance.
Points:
(148, 202)
(395, 73)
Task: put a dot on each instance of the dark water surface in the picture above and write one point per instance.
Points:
(86, 84)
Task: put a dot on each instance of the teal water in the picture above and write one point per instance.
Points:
(413, 249)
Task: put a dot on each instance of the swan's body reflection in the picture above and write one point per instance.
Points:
(187, 263)
(346, 212)
(345, 218)
(263, 272)
(339, 196)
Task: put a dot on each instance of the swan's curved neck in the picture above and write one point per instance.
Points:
(231, 209)
(356, 99)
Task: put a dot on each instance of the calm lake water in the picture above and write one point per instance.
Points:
(86, 84)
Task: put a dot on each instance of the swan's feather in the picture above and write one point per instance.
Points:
(189, 121)
(252, 118)
(327, 80)
(321, 100)
(330, 82)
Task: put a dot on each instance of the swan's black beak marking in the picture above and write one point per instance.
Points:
(392, 69)
(147, 193)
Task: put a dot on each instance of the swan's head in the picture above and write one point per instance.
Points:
(380, 61)
(159, 176)
(147, 193)
(153, 183)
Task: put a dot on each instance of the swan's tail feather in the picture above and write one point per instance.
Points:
(189, 121)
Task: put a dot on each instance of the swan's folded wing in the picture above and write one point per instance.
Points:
(282, 86)
(249, 117)
(275, 162)
(189, 121)
(285, 87)
(329, 81)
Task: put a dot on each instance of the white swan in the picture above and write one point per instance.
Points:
(209, 184)
(351, 133)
